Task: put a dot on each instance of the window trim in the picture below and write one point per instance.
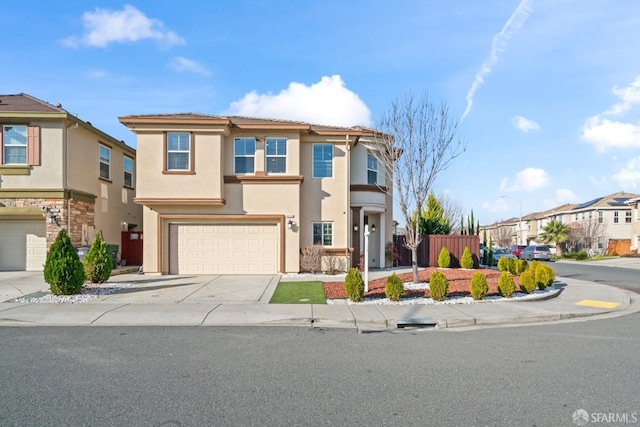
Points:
(124, 169)
(25, 145)
(165, 159)
(313, 161)
(627, 217)
(323, 232)
(616, 217)
(600, 217)
(369, 170)
(100, 162)
(275, 156)
(236, 156)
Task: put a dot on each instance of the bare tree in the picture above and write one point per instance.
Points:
(585, 233)
(418, 140)
(502, 235)
(451, 207)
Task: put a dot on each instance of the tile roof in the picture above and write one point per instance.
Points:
(23, 103)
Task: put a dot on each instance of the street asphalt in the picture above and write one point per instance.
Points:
(244, 300)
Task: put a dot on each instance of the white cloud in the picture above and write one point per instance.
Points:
(496, 206)
(104, 26)
(598, 182)
(327, 102)
(604, 133)
(98, 74)
(528, 179)
(182, 64)
(499, 44)
(565, 196)
(524, 124)
(629, 176)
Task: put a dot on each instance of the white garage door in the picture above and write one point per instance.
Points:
(23, 245)
(223, 249)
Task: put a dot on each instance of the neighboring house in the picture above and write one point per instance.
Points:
(247, 196)
(634, 204)
(57, 171)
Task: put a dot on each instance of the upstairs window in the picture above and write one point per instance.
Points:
(105, 162)
(128, 171)
(14, 145)
(600, 217)
(323, 160)
(627, 216)
(372, 170)
(616, 218)
(323, 233)
(244, 153)
(178, 151)
(276, 155)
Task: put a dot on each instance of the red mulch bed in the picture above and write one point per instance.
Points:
(459, 283)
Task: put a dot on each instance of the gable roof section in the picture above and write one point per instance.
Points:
(22, 106)
(615, 200)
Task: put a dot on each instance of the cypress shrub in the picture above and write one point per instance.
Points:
(354, 285)
(544, 276)
(506, 285)
(63, 270)
(511, 265)
(533, 266)
(444, 258)
(438, 286)
(97, 263)
(394, 288)
(503, 264)
(527, 282)
(466, 261)
(479, 286)
(521, 266)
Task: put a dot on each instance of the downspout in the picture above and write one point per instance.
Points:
(349, 215)
(65, 178)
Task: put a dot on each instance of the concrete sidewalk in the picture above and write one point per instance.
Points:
(243, 301)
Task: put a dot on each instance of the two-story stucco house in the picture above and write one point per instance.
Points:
(246, 196)
(57, 171)
(634, 204)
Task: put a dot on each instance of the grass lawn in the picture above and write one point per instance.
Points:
(299, 293)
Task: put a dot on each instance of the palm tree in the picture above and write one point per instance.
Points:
(555, 232)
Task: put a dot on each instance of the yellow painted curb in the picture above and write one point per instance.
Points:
(597, 304)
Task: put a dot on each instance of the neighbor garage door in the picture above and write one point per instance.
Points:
(223, 249)
(23, 245)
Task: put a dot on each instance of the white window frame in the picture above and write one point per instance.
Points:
(244, 156)
(179, 150)
(600, 217)
(627, 217)
(130, 172)
(323, 161)
(6, 143)
(372, 172)
(104, 161)
(616, 217)
(324, 234)
(277, 155)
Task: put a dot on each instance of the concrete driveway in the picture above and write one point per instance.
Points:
(147, 289)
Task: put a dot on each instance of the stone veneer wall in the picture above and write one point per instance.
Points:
(81, 212)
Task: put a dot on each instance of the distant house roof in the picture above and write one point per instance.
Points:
(610, 201)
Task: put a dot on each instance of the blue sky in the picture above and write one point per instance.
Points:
(548, 91)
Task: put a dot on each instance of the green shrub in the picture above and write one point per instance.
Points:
(444, 259)
(394, 288)
(521, 266)
(506, 285)
(438, 286)
(503, 264)
(581, 255)
(527, 282)
(512, 262)
(466, 261)
(354, 285)
(479, 286)
(489, 258)
(544, 276)
(533, 266)
(97, 262)
(63, 270)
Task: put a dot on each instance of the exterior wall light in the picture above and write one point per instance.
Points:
(373, 228)
(355, 227)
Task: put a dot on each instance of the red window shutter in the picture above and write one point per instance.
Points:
(33, 145)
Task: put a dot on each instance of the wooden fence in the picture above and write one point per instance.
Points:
(619, 247)
(431, 246)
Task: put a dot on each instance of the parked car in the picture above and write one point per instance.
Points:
(516, 249)
(501, 253)
(536, 252)
(553, 249)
